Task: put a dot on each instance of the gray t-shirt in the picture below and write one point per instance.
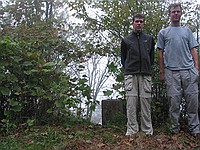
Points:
(177, 41)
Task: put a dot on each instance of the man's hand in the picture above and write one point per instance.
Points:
(162, 76)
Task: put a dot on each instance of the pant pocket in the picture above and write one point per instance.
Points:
(147, 84)
(194, 73)
(128, 82)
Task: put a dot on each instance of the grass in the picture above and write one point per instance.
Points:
(34, 138)
(80, 135)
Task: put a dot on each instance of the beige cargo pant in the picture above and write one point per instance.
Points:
(138, 89)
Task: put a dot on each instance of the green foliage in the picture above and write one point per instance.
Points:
(7, 126)
(29, 85)
(33, 86)
(30, 122)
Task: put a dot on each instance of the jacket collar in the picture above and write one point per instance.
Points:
(137, 32)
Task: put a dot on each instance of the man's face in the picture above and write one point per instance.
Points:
(138, 24)
(175, 14)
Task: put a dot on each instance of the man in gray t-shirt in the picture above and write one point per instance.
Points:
(178, 61)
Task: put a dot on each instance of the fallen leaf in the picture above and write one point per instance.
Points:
(100, 145)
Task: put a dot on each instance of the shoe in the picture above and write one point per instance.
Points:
(149, 135)
(197, 135)
(130, 133)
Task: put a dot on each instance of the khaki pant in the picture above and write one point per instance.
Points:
(138, 89)
(179, 84)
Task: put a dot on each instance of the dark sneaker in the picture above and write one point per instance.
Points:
(196, 135)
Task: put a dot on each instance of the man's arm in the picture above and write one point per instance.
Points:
(123, 53)
(195, 57)
(161, 63)
(152, 53)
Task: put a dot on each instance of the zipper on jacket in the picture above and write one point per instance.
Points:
(138, 37)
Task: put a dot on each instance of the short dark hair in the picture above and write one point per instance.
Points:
(174, 6)
(138, 16)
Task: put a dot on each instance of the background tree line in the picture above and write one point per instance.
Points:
(51, 49)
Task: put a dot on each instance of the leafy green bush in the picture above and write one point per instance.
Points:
(32, 88)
